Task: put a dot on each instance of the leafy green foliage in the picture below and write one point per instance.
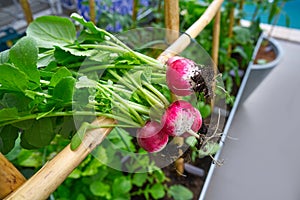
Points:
(50, 31)
(178, 192)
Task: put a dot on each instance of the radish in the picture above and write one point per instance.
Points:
(180, 75)
(181, 118)
(151, 137)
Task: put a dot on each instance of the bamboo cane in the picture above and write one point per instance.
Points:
(27, 11)
(230, 30)
(172, 20)
(55, 171)
(92, 11)
(216, 40)
(172, 34)
(10, 177)
(215, 50)
(184, 40)
(134, 12)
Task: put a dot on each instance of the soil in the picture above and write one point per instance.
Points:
(266, 53)
(193, 182)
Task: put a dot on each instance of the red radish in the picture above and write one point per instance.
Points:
(151, 137)
(181, 118)
(179, 75)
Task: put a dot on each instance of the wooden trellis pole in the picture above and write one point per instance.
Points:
(27, 11)
(10, 177)
(92, 7)
(216, 40)
(184, 40)
(230, 30)
(55, 171)
(172, 20)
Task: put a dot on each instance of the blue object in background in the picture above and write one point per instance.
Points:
(109, 9)
(291, 8)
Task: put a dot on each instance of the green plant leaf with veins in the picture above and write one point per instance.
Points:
(50, 31)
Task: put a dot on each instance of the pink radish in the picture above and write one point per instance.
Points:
(181, 118)
(180, 72)
(151, 137)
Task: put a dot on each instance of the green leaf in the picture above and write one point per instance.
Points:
(24, 125)
(4, 56)
(92, 168)
(24, 55)
(66, 58)
(50, 31)
(44, 59)
(63, 91)
(8, 136)
(100, 189)
(12, 79)
(59, 75)
(139, 179)
(29, 158)
(18, 100)
(242, 35)
(7, 114)
(40, 133)
(121, 185)
(89, 25)
(76, 173)
(157, 191)
(179, 192)
(80, 52)
(209, 149)
(77, 138)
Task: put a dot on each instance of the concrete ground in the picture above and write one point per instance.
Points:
(264, 162)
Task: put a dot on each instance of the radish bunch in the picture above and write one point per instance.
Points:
(179, 119)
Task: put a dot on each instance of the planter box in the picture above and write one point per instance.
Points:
(254, 75)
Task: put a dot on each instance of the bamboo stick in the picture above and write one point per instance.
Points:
(54, 172)
(230, 30)
(134, 12)
(172, 20)
(10, 177)
(184, 40)
(216, 40)
(92, 11)
(172, 34)
(27, 11)
(215, 51)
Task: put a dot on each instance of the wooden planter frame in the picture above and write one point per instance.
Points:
(55, 171)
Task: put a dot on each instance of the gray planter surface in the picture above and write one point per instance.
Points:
(262, 161)
(254, 75)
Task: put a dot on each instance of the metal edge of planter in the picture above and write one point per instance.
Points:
(230, 118)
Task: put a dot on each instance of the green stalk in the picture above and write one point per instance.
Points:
(152, 98)
(103, 47)
(120, 99)
(52, 114)
(157, 92)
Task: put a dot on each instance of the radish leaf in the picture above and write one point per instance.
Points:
(50, 31)
(8, 135)
(12, 79)
(24, 55)
(40, 133)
